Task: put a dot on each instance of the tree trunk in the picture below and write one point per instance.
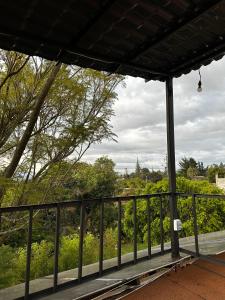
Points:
(9, 171)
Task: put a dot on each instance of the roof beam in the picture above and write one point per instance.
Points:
(193, 15)
(199, 59)
(78, 52)
(106, 60)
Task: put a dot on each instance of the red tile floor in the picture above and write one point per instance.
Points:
(200, 280)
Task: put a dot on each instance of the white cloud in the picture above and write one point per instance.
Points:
(139, 121)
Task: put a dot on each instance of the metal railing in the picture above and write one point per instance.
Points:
(195, 197)
(81, 204)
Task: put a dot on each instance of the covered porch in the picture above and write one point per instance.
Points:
(154, 40)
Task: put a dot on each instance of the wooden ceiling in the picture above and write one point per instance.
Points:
(149, 39)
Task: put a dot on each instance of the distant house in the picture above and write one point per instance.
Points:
(220, 182)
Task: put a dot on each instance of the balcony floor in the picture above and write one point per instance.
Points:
(200, 280)
(113, 278)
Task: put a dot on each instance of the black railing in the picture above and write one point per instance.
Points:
(31, 209)
(195, 197)
(81, 205)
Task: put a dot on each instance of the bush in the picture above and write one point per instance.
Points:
(91, 249)
(41, 261)
(7, 273)
(69, 252)
(110, 243)
(210, 213)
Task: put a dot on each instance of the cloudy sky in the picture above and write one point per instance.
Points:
(139, 121)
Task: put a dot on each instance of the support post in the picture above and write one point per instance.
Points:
(171, 165)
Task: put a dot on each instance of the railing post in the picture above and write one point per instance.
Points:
(119, 234)
(135, 228)
(28, 260)
(0, 219)
(171, 165)
(56, 251)
(149, 228)
(195, 224)
(81, 242)
(161, 226)
(101, 231)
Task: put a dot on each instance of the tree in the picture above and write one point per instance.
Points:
(19, 150)
(186, 163)
(83, 181)
(137, 169)
(192, 172)
(210, 213)
(145, 173)
(155, 176)
(96, 181)
(54, 118)
(201, 169)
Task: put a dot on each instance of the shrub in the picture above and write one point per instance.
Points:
(7, 273)
(91, 249)
(69, 252)
(110, 243)
(41, 261)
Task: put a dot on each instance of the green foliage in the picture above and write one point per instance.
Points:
(210, 213)
(97, 180)
(128, 224)
(69, 252)
(7, 258)
(190, 168)
(91, 247)
(215, 169)
(41, 261)
(110, 243)
(130, 186)
(137, 169)
(155, 176)
(145, 174)
(192, 172)
(186, 163)
(13, 261)
(75, 114)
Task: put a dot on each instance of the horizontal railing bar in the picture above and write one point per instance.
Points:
(185, 195)
(39, 206)
(77, 202)
(210, 196)
(105, 199)
(135, 197)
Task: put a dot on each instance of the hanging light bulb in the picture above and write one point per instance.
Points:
(199, 89)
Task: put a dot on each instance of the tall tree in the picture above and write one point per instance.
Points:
(137, 169)
(186, 163)
(9, 171)
(201, 169)
(96, 181)
(49, 113)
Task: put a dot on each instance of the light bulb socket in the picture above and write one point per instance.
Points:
(199, 89)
